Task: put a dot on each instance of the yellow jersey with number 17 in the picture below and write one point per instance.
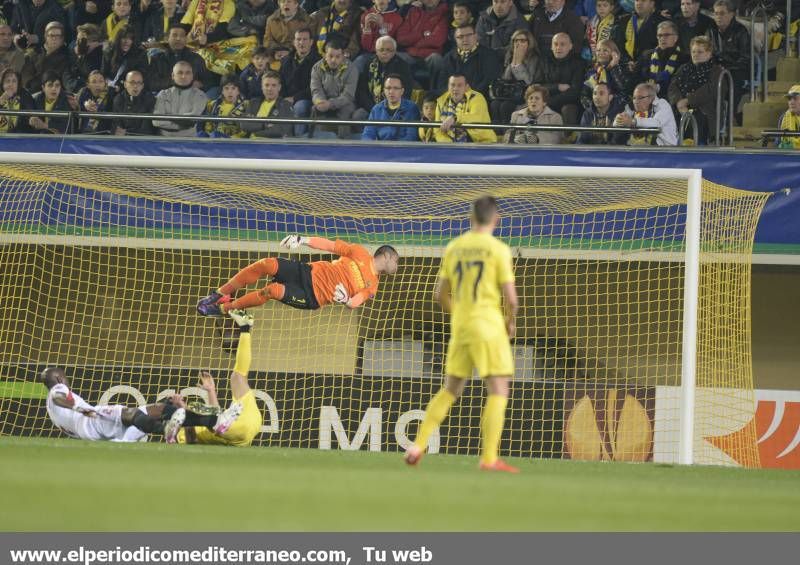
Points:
(477, 265)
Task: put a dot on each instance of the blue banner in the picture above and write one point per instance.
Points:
(774, 171)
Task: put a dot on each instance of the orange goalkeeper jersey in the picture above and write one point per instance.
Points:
(354, 268)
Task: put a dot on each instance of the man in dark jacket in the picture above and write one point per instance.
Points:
(691, 23)
(296, 76)
(480, 65)
(133, 99)
(657, 65)
(604, 108)
(563, 77)
(731, 42)
(635, 33)
(251, 18)
(269, 105)
(370, 83)
(497, 24)
(552, 17)
(161, 64)
(31, 17)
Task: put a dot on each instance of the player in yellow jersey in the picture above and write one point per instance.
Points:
(475, 272)
(248, 423)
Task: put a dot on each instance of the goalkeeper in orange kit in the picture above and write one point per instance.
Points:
(350, 280)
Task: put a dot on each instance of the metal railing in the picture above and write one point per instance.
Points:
(688, 119)
(731, 98)
(74, 116)
(758, 10)
(789, 40)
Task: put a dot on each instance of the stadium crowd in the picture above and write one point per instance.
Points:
(627, 63)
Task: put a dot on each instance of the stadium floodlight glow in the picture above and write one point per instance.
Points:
(634, 335)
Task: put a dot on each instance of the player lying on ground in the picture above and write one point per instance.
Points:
(79, 419)
(351, 280)
(248, 424)
(476, 269)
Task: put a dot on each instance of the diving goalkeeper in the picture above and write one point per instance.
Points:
(350, 280)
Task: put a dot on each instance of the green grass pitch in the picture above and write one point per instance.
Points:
(70, 485)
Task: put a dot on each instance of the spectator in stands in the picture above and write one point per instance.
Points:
(691, 23)
(601, 113)
(523, 64)
(393, 108)
(694, 88)
(87, 54)
(296, 77)
(600, 26)
(283, 23)
(182, 99)
(790, 120)
(371, 82)
(462, 105)
(341, 18)
(334, 80)
(88, 12)
(232, 104)
(648, 111)
(250, 78)
(609, 69)
(120, 17)
(159, 19)
(134, 99)
(14, 97)
(536, 112)
(381, 20)
(497, 24)
(29, 20)
(94, 97)
(52, 98)
(731, 42)
(250, 18)
(480, 65)
(162, 64)
(10, 55)
(462, 15)
(552, 17)
(428, 135)
(53, 55)
(422, 35)
(563, 73)
(269, 104)
(657, 66)
(635, 33)
(124, 55)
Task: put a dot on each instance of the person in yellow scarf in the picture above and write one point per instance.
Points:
(462, 105)
(118, 18)
(790, 120)
(232, 104)
(209, 36)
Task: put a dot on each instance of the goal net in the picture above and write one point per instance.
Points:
(103, 260)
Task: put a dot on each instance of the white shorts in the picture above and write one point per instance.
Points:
(105, 425)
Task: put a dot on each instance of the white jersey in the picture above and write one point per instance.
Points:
(105, 425)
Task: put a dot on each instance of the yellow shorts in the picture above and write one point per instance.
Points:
(243, 430)
(491, 357)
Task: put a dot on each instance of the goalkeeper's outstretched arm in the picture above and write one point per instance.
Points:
(295, 241)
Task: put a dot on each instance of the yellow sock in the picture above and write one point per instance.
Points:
(434, 415)
(244, 354)
(494, 415)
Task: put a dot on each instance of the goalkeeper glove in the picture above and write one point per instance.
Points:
(242, 318)
(340, 294)
(294, 241)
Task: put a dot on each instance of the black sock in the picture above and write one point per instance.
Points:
(147, 424)
(195, 419)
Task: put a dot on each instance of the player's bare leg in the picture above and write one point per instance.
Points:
(435, 413)
(492, 421)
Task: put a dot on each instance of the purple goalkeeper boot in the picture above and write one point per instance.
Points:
(210, 305)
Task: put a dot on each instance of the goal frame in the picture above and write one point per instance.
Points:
(691, 255)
